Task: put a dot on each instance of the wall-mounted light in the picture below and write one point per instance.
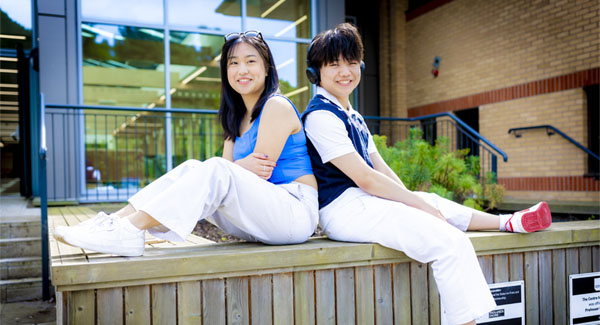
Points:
(436, 66)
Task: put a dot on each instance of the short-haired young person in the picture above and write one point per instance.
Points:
(362, 200)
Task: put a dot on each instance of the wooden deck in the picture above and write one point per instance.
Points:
(321, 281)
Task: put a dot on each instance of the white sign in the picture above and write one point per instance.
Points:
(584, 298)
(510, 301)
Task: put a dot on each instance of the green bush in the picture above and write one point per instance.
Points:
(450, 174)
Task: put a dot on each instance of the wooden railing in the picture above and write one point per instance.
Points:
(321, 281)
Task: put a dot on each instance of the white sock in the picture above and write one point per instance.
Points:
(503, 219)
(127, 225)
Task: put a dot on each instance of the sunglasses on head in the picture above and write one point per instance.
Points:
(250, 33)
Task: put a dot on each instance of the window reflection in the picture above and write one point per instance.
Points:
(290, 61)
(132, 11)
(123, 66)
(195, 74)
(280, 18)
(218, 15)
(15, 17)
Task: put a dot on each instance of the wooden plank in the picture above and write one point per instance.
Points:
(110, 306)
(237, 300)
(487, 267)
(68, 253)
(384, 304)
(325, 288)
(531, 288)
(189, 304)
(213, 298)
(572, 267)
(261, 307)
(54, 251)
(304, 293)
(434, 298)
(137, 305)
(585, 259)
(81, 307)
(402, 300)
(247, 258)
(516, 270)
(419, 291)
(344, 296)
(545, 287)
(164, 300)
(559, 286)
(501, 268)
(62, 307)
(596, 259)
(283, 298)
(572, 261)
(365, 297)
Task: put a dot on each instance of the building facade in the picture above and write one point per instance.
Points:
(497, 65)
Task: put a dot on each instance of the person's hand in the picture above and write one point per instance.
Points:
(434, 212)
(259, 164)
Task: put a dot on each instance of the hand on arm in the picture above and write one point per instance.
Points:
(379, 184)
(277, 122)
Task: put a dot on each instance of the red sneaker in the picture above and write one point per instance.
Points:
(536, 218)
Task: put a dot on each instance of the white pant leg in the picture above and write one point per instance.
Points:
(456, 214)
(359, 217)
(257, 209)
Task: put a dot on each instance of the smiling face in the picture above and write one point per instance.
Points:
(246, 71)
(340, 78)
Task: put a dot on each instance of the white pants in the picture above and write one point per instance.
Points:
(231, 197)
(357, 216)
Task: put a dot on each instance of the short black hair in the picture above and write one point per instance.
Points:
(232, 108)
(344, 39)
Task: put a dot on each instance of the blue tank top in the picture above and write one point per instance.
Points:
(293, 161)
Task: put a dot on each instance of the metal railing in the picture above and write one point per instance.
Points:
(459, 134)
(551, 130)
(100, 153)
(108, 153)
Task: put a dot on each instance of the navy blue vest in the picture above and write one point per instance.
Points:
(332, 182)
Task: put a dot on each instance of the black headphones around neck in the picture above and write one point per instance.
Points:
(313, 74)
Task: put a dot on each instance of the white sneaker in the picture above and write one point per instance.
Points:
(112, 236)
(97, 220)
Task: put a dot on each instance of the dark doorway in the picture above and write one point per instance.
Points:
(593, 108)
(365, 16)
(464, 137)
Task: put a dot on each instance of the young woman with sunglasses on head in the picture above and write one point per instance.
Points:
(263, 188)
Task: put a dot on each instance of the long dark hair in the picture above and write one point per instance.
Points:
(232, 108)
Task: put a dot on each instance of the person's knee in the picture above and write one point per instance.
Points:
(191, 163)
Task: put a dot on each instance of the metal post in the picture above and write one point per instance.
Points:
(44, 202)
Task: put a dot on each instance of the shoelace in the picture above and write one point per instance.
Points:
(105, 223)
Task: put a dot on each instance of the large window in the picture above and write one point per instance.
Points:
(164, 54)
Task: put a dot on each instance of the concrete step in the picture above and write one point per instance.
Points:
(20, 267)
(20, 228)
(20, 247)
(21, 290)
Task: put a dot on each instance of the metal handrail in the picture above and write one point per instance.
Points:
(555, 130)
(134, 109)
(44, 202)
(457, 120)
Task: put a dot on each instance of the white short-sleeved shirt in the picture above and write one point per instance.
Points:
(328, 133)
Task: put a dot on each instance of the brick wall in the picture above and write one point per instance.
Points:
(486, 45)
(523, 63)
